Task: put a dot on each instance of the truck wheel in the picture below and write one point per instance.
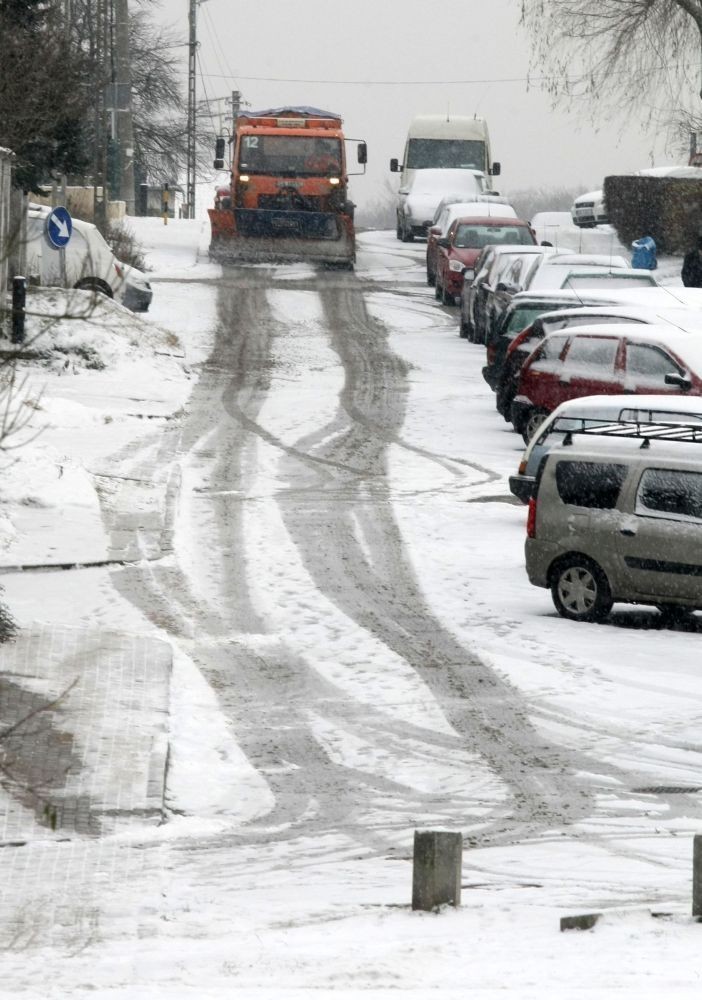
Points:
(580, 589)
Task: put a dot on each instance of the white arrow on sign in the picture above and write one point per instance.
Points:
(61, 226)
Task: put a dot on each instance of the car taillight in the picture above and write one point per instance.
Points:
(531, 519)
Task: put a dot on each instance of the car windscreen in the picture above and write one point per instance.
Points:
(521, 317)
(477, 237)
(423, 154)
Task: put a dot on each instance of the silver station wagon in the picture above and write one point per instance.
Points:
(616, 515)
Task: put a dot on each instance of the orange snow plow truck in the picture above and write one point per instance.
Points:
(288, 199)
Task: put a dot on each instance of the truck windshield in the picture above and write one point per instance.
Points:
(423, 154)
(290, 156)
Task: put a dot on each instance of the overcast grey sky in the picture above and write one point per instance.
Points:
(264, 47)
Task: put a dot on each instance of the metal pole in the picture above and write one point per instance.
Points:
(192, 121)
(102, 76)
(124, 131)
(19, 300)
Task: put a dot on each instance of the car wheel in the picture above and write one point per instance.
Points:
(398, 230)
(446, 298)
(95, 285)
(437, 289)
(431, 279)
(580, 589)
(407, 236)
(464, 329)
(532, 423)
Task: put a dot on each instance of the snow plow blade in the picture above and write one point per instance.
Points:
(269, 236)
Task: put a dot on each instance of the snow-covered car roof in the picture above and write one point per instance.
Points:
(435, 180)
(680, 317)
(592, 405)
(586, 259)
(572, 276)
(589, 196)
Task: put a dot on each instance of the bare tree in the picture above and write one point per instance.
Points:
(618, 53)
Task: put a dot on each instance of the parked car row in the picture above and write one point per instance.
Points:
(590, 360)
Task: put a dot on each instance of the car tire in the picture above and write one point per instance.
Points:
(532, 423)
(431, 279)
(446, 298)
(437, 289)
(580, 589)
(398, 230)
(95, 285)
(407, 236)
(464, 329)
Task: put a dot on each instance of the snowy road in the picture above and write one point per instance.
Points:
(359, 654)
(377, 679)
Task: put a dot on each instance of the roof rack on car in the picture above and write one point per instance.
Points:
(645, 431)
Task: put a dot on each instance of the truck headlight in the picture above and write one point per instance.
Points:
(455, 265)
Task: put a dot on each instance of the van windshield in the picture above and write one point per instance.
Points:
(423, 154)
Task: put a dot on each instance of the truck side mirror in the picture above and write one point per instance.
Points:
(394, 166)
(220, 146)
(362, 153)
(496, 170)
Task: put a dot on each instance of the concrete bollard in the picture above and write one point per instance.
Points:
(436, 874)
(697, 877)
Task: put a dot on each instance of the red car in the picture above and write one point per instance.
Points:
(605, 360)
(462, 244)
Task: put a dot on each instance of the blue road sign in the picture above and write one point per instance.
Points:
(59, 226)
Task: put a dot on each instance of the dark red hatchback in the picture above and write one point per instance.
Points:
(465, 239)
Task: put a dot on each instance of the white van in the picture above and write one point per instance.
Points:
(89, 263)
(445, 141)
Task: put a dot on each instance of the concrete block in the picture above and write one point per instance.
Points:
(436, 876)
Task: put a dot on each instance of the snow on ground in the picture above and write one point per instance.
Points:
(253, 922)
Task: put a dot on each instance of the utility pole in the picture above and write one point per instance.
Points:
(123, 131)
(102, 55)
(192, 119)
